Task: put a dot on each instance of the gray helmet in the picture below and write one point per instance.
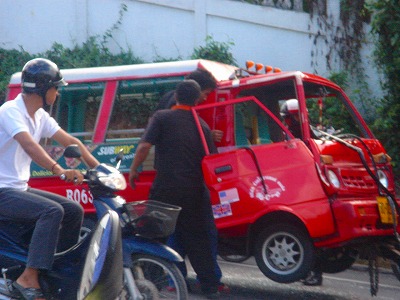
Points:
(39, 75)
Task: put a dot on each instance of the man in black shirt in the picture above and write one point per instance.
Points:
(207, 84)
(179, 180)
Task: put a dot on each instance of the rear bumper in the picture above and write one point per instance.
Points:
(357, 220)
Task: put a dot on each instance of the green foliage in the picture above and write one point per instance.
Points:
(217, 51)
(11, 61)
(109, 32)
(89, 54)
(92, 53)
(159, 58)
(340, 78)
(360, 95)
(386, 29)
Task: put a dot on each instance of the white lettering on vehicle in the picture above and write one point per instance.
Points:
(274, 187)
(81, 196)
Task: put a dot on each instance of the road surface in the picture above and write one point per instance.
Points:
(247, 282)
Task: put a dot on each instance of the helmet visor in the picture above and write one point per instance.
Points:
(60, 82)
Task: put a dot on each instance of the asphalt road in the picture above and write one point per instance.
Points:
(247, 282)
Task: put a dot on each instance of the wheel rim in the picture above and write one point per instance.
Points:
(283, 253)
(160, 276)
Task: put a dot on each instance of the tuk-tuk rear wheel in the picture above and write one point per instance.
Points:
(284, 253)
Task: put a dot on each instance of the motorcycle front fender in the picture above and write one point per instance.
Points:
(137, 244)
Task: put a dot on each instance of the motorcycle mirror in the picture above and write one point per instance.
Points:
(72, 151)
(119, 157)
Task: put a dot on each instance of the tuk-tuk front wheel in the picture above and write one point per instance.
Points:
(284, 253)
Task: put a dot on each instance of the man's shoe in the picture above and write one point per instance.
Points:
(314, 278)
(223, 288)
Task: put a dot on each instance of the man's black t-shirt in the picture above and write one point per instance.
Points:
(178, 148)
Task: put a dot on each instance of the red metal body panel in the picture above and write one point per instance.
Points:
(81, 194)
(356, 219)
(293, 185)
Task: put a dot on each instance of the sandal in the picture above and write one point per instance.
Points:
(28, 293)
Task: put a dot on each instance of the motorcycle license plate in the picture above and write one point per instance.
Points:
(385, 212)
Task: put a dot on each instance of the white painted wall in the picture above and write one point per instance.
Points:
(166, 28)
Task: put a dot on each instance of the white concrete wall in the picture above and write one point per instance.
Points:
(166, 28)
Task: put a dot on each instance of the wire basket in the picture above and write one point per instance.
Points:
(152, 219)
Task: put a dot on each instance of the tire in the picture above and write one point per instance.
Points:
(338, 260)
(284, 253)
(163, 274)
(234, 258)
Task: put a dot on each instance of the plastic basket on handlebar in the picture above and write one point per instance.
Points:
(153, 219)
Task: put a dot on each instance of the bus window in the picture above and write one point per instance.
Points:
(135, 101)
(77, 107)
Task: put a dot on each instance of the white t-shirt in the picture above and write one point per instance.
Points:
(14, 161)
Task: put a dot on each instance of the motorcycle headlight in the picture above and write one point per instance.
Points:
(333, 179)
(115, 181)
(383, 178)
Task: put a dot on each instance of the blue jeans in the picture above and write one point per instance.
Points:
(57, 222)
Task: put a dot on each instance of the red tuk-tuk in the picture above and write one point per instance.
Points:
(284, 196)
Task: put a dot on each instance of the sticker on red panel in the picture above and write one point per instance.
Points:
(228, 196)
(222, 210)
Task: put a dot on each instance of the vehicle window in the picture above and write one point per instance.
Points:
(271, 95)
(328, 111)
(76, 112)
(244, 124)
(135, 102)
(253, 126)
(77, 107)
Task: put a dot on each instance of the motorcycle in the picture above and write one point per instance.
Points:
(148, 263)
(91, 269)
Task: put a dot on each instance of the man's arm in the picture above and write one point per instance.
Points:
(217, 135)
(65, 139)
(43, 159)
(140, 155)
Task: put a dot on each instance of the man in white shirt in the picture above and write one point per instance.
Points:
(23, 122)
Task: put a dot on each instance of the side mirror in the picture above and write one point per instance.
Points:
(72, 151)
(120, 155)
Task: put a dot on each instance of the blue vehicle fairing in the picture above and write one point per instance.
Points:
(138, 244)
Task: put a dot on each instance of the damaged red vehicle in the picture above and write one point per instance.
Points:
(324, 190)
